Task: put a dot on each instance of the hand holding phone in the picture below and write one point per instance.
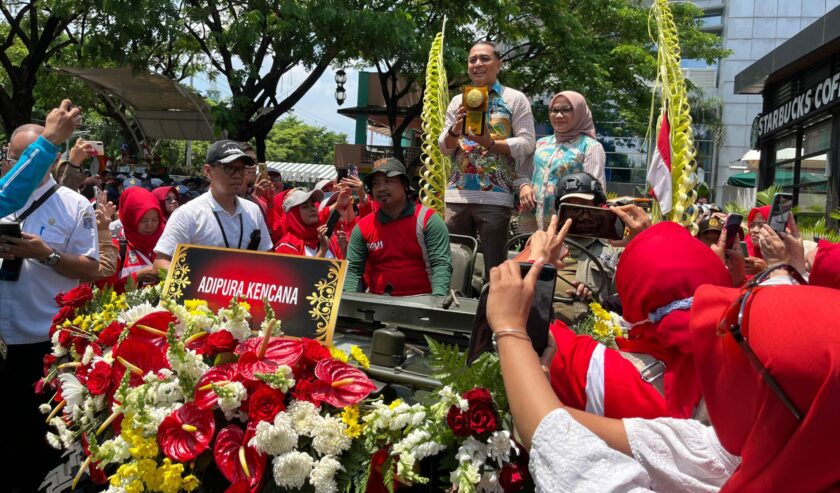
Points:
(780, 210)
(342, 173)
(332, 221)
(263, 171)
(732, 227)
(98, 147)
(10, 269)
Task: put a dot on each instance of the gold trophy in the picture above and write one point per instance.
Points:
(475, 101)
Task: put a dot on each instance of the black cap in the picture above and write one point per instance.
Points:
(581, 185)
(226, 151)
(390, 166)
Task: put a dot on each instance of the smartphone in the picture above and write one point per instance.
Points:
(539, 318)
(99, 147)
(353, 171)
(10, 269)
(744, 249)
(780, 212)
(342, 173)
(732, 226)
(263, 171)
(332, 221)
(594, 222)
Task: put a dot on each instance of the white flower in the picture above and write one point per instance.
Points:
(45, 408)
(305, 417)
(465, 477)
(330, 438)
(322, 477)
(114, 451)
(72, 391)
(498, 447)
(57, 349)
(291, 469)
(418, 443)
(231, 396)
(53, 440)
(134, 314)
(192, 365)
(275, 439)
(471, 451)
(490, 482)
(88, 355)
(65, 435)
(450, 398)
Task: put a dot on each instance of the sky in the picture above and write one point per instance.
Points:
(318, 107)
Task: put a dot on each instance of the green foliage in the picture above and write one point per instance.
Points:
(292, 140)
(450, 366)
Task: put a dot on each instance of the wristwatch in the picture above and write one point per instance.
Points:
(52, 258)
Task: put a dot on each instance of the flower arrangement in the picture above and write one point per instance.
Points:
(602, 325)
(158, 394)
(168, 397)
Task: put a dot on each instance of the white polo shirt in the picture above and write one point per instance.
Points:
(195, 223)
(66, 222)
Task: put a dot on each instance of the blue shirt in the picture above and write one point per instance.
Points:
(18, 184)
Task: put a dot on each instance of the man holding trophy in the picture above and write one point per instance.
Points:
(490, 135)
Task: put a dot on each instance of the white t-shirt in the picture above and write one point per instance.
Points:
(668, 455)
(195, 223)
(66, 222)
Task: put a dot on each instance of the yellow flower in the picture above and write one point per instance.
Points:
(359, 355)
(190, 483)
(350, 417)
(394, 404)
(245, 306)
(194, 304)
(338, 354)
(135, 486)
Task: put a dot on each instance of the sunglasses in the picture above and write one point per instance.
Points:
(733, 322)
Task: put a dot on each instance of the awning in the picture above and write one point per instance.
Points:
(304, 172)
(783, 178)
(163, 108)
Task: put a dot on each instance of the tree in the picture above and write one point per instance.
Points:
(253, 43)
(292, 140)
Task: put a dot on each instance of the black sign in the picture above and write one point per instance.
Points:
(824, 94)
(304, 292)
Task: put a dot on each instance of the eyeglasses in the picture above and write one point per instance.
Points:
(735, 321)
(231, 170)
(564, 110)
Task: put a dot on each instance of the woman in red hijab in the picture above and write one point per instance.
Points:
(768, 365)
(304, 236)
(656, 278)
(143, 223)
(168, 199)
(755, 220)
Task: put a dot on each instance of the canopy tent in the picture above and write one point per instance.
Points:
(303, 172)
(162, 107)
(783, 177)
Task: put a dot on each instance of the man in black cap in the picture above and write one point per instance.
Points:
(218, 217)
(404, 245)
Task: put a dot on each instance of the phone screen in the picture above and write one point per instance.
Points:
(342, 173)
(744, 249)
(539, 318)
(332, 221)
(353, 171)
(263, 171)
(593, 222)
(780, 212)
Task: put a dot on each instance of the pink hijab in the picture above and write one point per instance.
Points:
(583, 117)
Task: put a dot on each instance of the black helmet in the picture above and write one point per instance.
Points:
(581, 185)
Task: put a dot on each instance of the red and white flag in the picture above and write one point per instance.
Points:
(659, 173)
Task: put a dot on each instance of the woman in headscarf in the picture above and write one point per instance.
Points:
(142, 224)
(655, 279)
(772, 409)
(756, 219)
(304, 236)
(571, 149)
(168, 199)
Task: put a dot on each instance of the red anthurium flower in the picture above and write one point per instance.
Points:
(205, 397)
(139, 357)
(186, 433)
(153, 327)
(235, 459)
(281, 350)
(340, 384)
(76, 297)
(239, 487)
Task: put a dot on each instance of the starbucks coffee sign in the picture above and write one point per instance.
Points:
(800, 106)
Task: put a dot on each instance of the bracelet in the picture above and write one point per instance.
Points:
(451, 133)
(511, 332)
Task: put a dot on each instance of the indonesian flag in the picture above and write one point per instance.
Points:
(659, 173)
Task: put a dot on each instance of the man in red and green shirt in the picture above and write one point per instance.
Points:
(403, 248)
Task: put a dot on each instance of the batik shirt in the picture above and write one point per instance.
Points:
(480, 176)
